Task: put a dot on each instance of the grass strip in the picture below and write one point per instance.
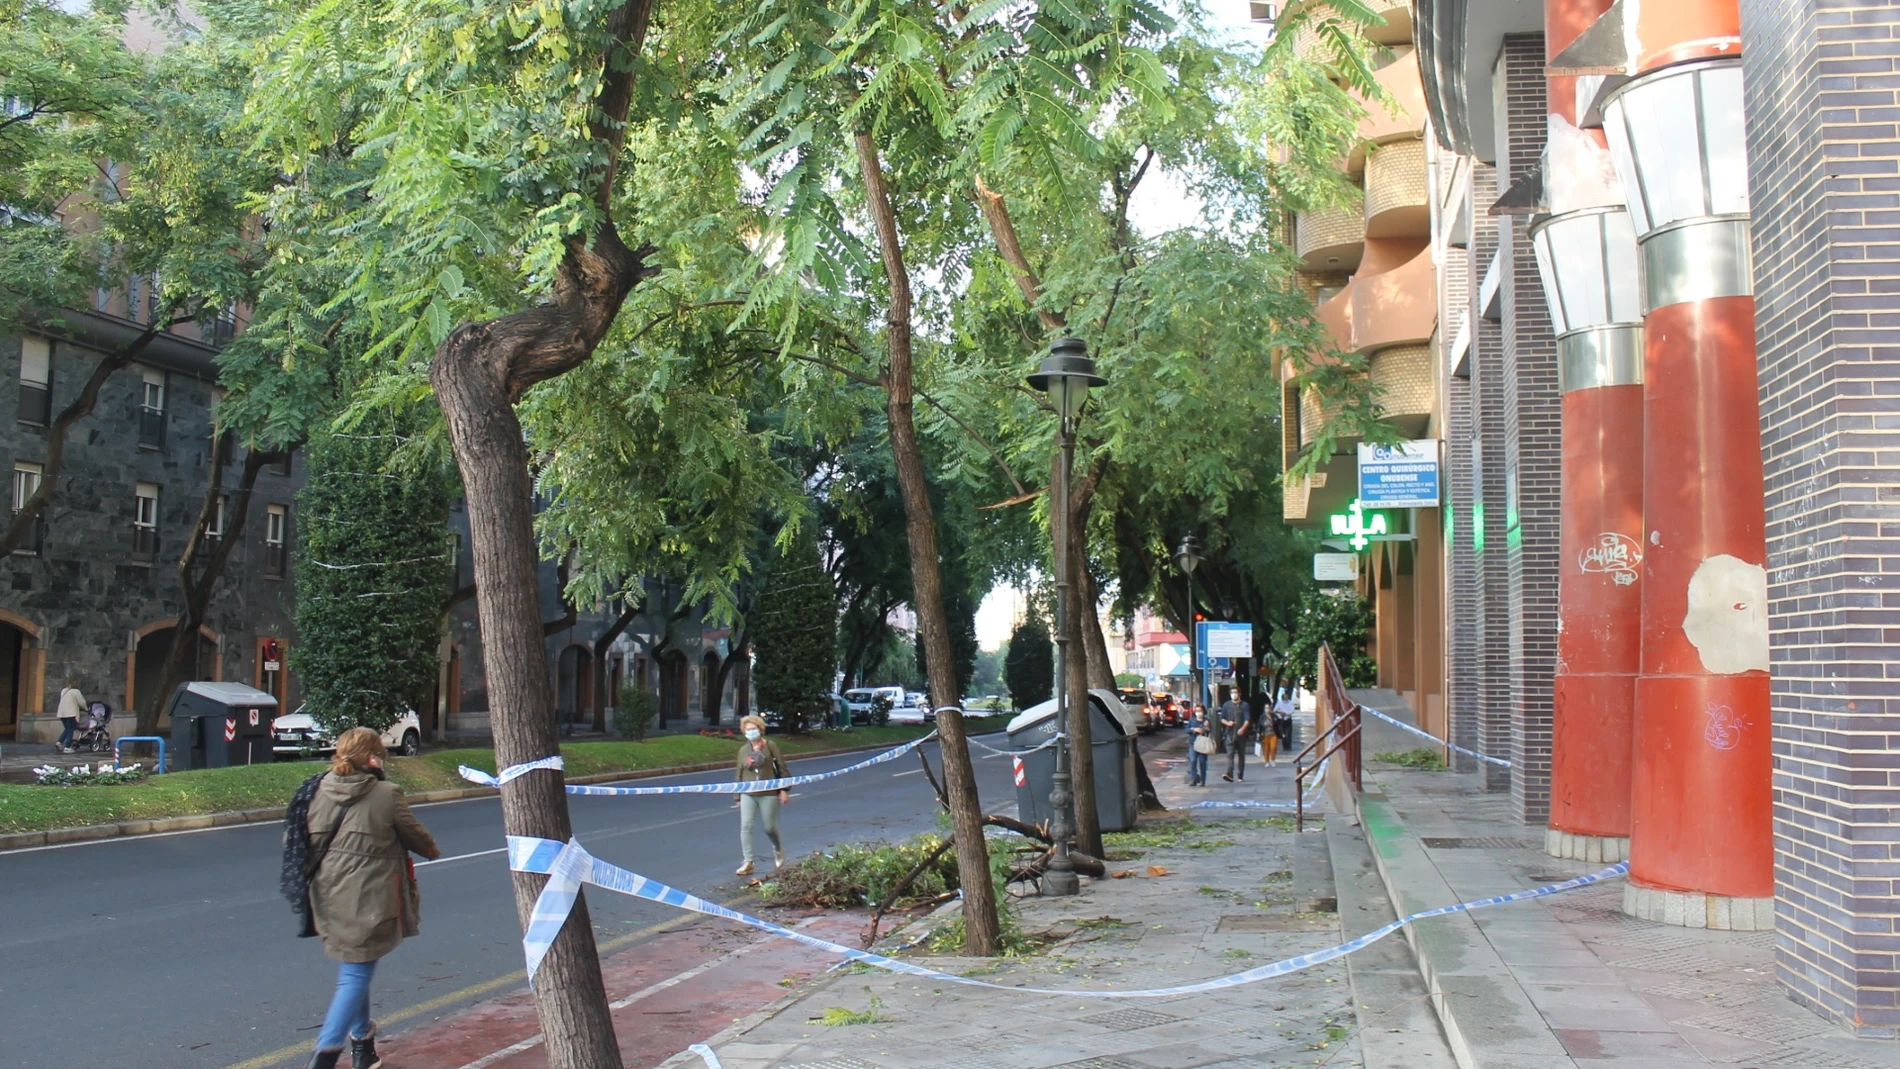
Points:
(30, 807)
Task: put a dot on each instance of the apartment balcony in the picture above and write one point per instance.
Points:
(1398, 202)
(1395, 307)
(1330, 239)
(1396, 30)
(1402, 118)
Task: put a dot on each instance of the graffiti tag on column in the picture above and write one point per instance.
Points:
(1616, 555)
(1724, 731)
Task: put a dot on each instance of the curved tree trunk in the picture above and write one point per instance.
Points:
(480, 372)
(980, 931)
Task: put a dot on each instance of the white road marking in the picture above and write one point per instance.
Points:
(646, 992)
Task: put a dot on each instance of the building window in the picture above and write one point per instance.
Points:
(145, 523)
(36, 380)
(280, 463)
(223, 327)
(276, 525)
(152, 409)
(26, 480)
(214, 527)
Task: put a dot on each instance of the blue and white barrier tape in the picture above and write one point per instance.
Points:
(705, 1052)
(567, 866)
(476, 775)
(1319, 784)
(1441, 742)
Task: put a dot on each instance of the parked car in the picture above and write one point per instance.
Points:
(864, 708)
(914, 711)
(296, 734)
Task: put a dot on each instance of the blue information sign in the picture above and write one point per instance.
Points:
(1218, 644)
(1403, 476)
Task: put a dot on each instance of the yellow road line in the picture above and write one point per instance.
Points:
(278, 1057)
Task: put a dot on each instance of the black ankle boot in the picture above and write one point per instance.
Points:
(325, 1059)
(363, 1051)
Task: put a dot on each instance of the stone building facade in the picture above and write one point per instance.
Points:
(94, 595)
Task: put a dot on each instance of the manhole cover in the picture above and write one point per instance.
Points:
(1275, 922)
(1481, 842)
(1128, 1020)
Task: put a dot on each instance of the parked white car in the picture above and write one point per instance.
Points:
(296, 734)
(859, 699)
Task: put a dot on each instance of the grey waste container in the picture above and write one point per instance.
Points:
(216, 725)
(1116, 799)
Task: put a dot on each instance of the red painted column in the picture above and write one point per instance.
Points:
(1600, 616)
(1700, 845)
(1703, 762)
(1601, 528)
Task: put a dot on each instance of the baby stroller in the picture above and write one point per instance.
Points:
(92, 734)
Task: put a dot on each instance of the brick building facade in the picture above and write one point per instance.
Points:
(1822, 115)
(1823, 99)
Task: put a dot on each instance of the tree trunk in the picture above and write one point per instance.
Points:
(966, 815)
(21, 527)
(1094, 643)
(1088, 819)
(197, 593)
(601, 646)
(736, 651)
(480, 372)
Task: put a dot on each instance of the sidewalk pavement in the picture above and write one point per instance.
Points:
(1230, 900)
(1570, 980)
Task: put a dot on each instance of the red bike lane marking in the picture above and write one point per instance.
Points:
(651, 1025)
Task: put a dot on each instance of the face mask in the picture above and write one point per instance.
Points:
(752, 734)
(375, 771)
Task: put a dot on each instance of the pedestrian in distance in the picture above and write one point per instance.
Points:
(1200, 744)
(1283, 712)
(1235, 728)
(72, 706)
(759, 761)
(1270, 735)
(363, 895)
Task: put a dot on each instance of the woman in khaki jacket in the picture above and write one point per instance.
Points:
(363, 895)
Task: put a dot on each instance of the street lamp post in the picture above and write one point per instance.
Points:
(1066, 376)
(1187, 557)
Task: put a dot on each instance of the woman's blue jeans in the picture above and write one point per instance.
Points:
(349, 1007)
(1197, 765)
(66, 734)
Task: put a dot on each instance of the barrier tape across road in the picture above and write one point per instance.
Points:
(476, 775)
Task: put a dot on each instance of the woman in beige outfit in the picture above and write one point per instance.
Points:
(363, 897)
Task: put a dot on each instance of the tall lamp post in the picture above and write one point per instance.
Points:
(1187, 557)
(1066, 376)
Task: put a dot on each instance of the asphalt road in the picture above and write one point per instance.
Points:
(176, 952)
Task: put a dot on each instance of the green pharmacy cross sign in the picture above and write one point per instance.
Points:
(1358, 527)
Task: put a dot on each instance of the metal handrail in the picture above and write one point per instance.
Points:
(1352, 764)
(1340, 713)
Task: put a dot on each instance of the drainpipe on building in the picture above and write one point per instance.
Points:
(1700, 839)
(1586, 255)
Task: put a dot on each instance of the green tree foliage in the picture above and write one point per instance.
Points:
(1341, 621)
(373, 562)
(794, 628)
(1029, 670)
